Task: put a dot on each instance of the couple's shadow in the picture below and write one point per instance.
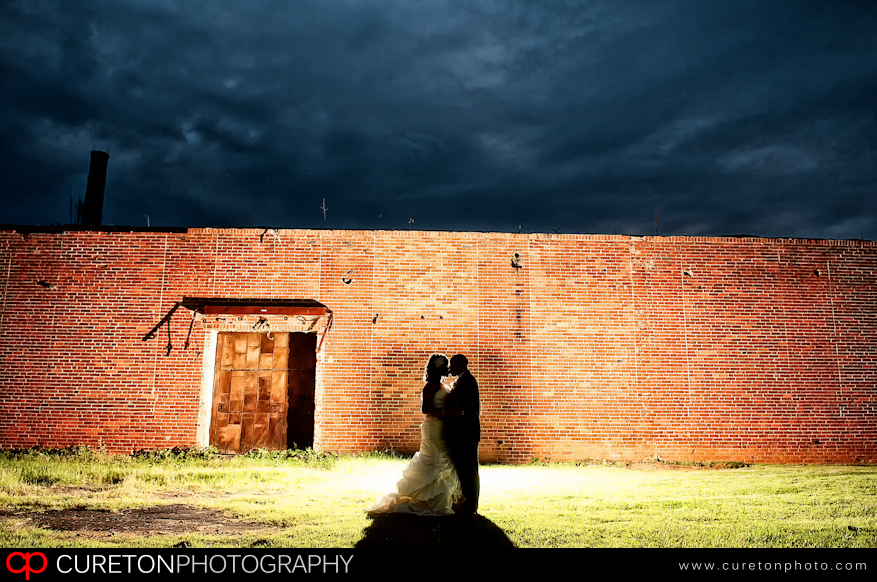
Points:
(411, 531)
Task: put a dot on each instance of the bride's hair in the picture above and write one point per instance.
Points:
(436, 367)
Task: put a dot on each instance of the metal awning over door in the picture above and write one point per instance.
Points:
(262, 307)
(218, 306)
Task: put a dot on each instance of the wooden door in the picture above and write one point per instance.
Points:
(250, 392)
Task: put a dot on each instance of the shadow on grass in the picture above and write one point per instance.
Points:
(411, 531)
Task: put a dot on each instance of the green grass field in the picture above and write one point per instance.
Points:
(312, 500)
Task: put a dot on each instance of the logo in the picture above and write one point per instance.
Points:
(26, 568)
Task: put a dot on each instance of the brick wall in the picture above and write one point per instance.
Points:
(609, 347)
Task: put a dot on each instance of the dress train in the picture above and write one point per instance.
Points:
(429, 484)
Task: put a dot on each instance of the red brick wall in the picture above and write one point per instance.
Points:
(609, 347)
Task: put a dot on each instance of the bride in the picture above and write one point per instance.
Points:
(429, 484)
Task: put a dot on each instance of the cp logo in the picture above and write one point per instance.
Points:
(26, 568)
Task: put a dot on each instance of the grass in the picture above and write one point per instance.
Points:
(309, 500)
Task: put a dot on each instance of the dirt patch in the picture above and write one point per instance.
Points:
(157, 520)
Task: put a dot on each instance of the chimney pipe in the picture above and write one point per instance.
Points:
(93, 207)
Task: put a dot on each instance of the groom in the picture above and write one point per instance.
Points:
(463, 431)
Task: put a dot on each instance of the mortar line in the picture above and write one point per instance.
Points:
(834, 327)
(478, 300)
(158, 316)
(6, 289)
(371, 347)
(530, 311)
(215, 264)
(685, 333)
(785, 320)
(633, 306)
(52, 320)
(320, 396)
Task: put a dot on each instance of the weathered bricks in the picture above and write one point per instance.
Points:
(585, 346)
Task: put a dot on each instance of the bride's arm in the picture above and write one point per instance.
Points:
(427, 405)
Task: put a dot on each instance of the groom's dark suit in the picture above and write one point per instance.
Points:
(462, 434)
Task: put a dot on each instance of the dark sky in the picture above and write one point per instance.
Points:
(724, 118)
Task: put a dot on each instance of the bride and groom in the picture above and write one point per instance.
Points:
(442, 478)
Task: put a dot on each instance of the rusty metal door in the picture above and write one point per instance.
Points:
(263, 391)
(249, 392)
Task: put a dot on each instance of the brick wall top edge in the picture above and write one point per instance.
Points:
(27, 230)
(536, 236)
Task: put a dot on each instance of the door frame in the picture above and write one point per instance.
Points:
(219, 315)
(208, 383)
(208, 370)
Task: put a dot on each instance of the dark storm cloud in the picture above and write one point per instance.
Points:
(724, 118)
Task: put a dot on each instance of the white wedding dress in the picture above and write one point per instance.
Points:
(429, 484)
